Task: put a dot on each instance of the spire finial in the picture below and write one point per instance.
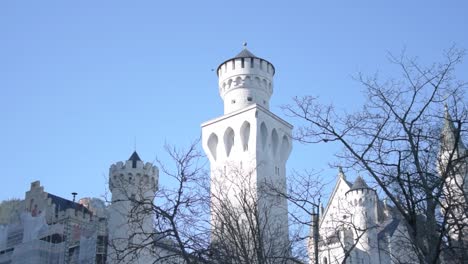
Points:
(446, 112)
(244, 44)
(134, 143)
(341, 173)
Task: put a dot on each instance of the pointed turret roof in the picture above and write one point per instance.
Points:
(245, 53)
(449, 132)
(134, 158)
(359, 183)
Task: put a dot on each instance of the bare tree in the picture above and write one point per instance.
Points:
(395, 140)
(245, 229)
(194, 225)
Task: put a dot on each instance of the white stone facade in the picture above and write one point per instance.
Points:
(356, 225)
(133, 185)
(248, 148)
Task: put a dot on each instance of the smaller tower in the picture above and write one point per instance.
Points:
(453, 166)
(452, 146)
(133, 185)
(363, 201)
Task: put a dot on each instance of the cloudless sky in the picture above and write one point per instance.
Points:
(79, 80)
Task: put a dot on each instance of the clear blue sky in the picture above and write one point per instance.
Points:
(79, 80)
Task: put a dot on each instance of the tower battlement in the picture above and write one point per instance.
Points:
(133, 173)
(140, 165)
(244, 80)
(361, 195)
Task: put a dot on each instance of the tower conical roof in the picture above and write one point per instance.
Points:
(359, 183)
(449, 133)
(245, 53)
(134, 157)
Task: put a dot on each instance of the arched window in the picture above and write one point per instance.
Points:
(325, 260)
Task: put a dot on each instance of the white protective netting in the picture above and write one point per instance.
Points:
(39, 251)
(3, 236)
(32, 250)
(33, 225)
(88, 242)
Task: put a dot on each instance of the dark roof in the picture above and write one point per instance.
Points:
(63, 204)
(389, 229)
(245, 53)
(134, 157)
(359, 183)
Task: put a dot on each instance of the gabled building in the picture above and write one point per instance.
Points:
(356, 225)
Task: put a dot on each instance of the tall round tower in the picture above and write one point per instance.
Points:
(248, 148)
(363, 201)
(133, 185)
(244, 80)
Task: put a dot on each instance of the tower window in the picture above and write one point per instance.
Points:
(242, 62)
(233, 64)
(251, 62)
(249, 99)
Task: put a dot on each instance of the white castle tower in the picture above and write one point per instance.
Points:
(364, 219)
(248, 148)
(133, 185)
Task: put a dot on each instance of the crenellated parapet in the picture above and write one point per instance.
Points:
(364, 200)
(245, 80)
(133, 174)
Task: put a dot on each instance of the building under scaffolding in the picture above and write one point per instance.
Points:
(45, 228)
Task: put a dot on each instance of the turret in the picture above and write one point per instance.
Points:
(363, 201)
(453, 166)
(244, 80)
(133, 184)
(450, 138)
(132, 176)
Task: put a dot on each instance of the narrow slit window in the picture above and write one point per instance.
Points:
(242, 62)
(251, 62)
